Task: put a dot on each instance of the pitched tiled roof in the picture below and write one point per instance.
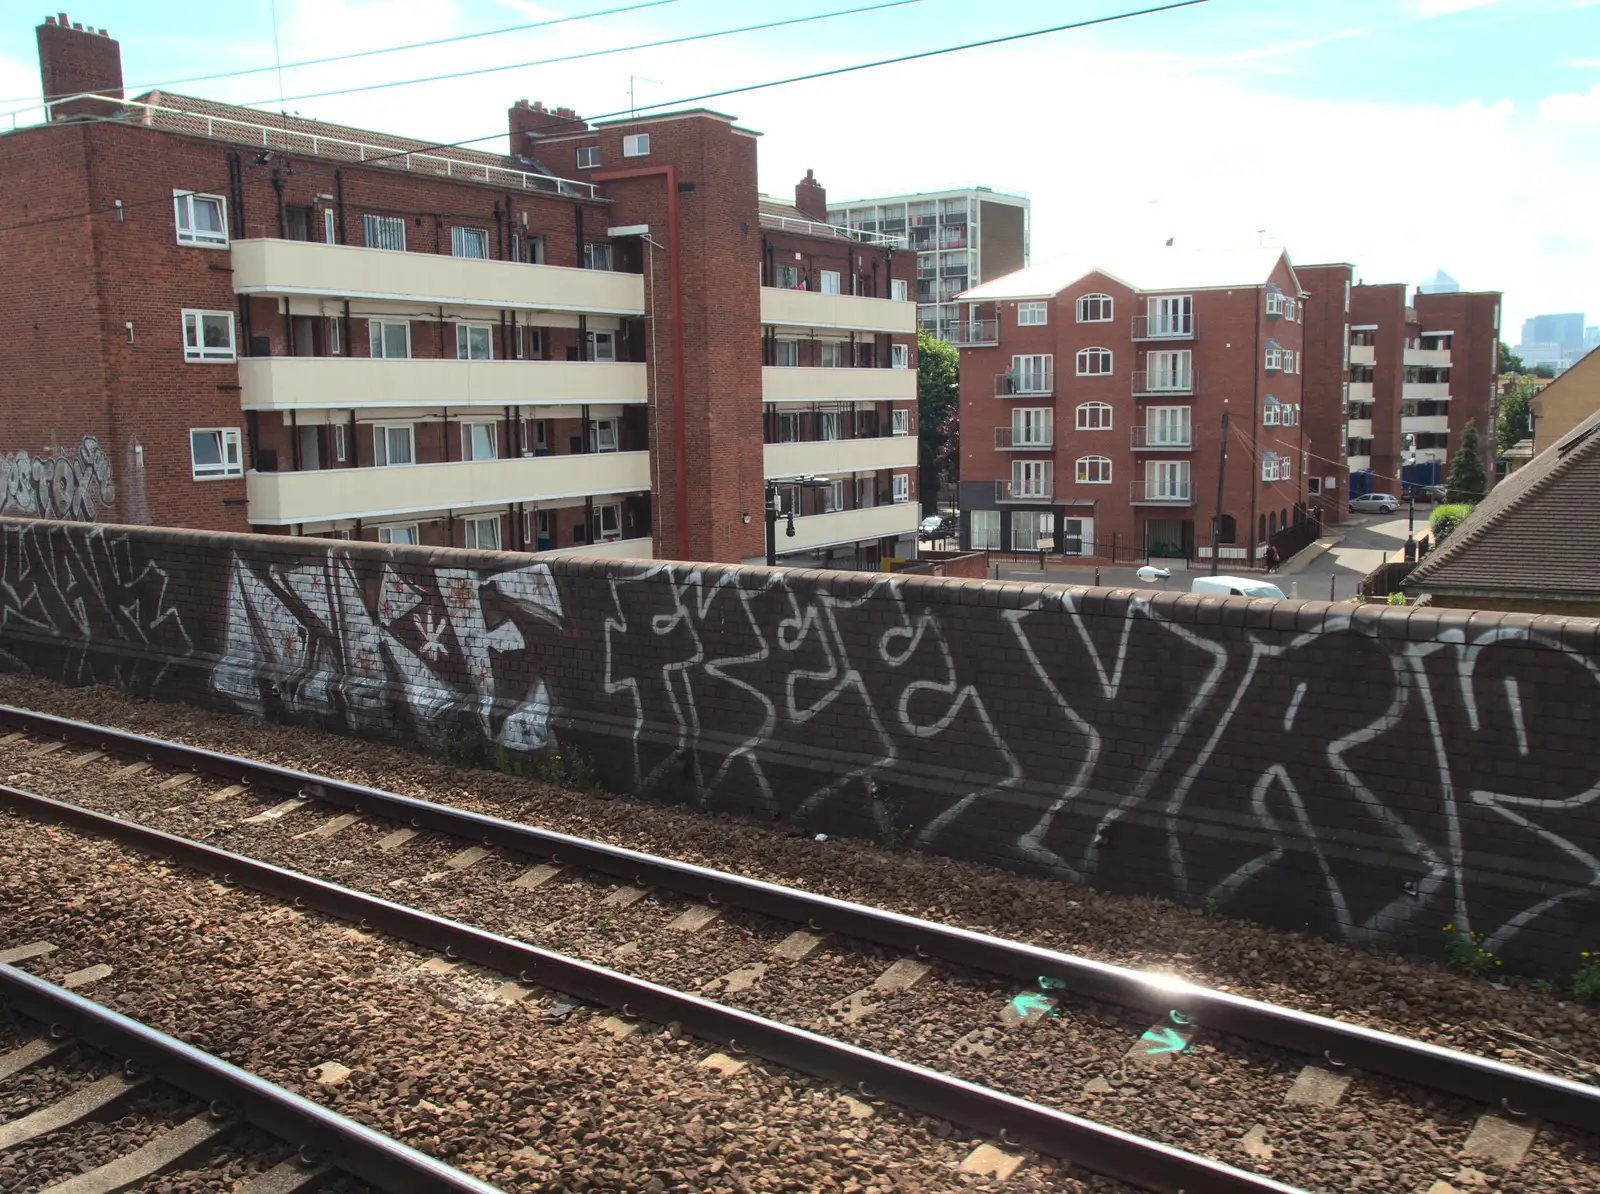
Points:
(1138, 269)
(1537, 534)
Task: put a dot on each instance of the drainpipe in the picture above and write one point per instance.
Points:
(680, 449)
(338, 190)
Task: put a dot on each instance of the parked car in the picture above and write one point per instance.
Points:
(1235, 586)
(1375, 503)
(1431, 493)
(937, 526)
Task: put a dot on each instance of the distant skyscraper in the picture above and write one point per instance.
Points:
(1565, 330)
(1440, 283)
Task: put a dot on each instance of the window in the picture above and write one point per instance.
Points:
(202, 219)
(1030, 427)
(1167, 480)
(1271, 413)
(636, 145)
(830, 281)
(1031, 478)
(1169, 370)
(1094, 308)
(832, 354)
(901, 356)
(479, 441)
(1288, 360)
(534, 344)
(1289, 414)
(602, 346)
(984, 532)
(1288, 309)
(535, 250)
(1031, 315)
(606, 525)
(469, 242)
(474, 342)
(330, 234)
(1347, 337)
(902, 422)
(786, 277)
(1269, 467)
(388, 341)
(1347, 294)
(536, 528)
(214, 452)
(334, 334)
(1274, 360)
(391, 444)
(483, 533)
(828, 425)
(788, 427)
(1275, 301)
(1286, 468)
(1094, 470)
(1313, 485)
(897, 289)
(1170, 316)
(833, 497)
(597, 256)
(401, 536)
(385, 232)
(788, 352)
(1167, 426)
(1094, 416)
(208, 336)
(902, 487)
(1032, 374)
(589, 157)
(1094, 361)
(336, 438)
(603, 435)
(1032, 530)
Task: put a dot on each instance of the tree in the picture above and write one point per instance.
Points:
(1515, 420)
(938, 416)
(1466, 481)
(1510, 362)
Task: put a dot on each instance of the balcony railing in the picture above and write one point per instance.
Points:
(1158, 383)
(1178, 328)
(1024, 491)
(1162, 439)
(1007, 439)
(1150, 493)
(975, 331)
(834, 231)
(1027, 385)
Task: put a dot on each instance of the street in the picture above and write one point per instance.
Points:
(1353, 549)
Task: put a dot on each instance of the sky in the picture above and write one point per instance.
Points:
(1403, 136)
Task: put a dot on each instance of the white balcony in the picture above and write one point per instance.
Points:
(281, 499)
(1363, 354)
(293, 267)
(815, 531)
(784, 383)
(612, 549)
(1158, 383)
(1358, 464)
(1429, 358)
(1361, 391)
(840, 457)
(1426, 391)
(326, 383)
(841, 312)
(1151, 493)
(1008, 439)
(1425, 423)
(1358, 429)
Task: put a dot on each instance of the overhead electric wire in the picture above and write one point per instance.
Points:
(582, 122)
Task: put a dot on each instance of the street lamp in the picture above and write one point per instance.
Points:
(806, 482)
(1408, 478)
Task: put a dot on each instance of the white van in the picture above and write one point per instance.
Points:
(1235, 586)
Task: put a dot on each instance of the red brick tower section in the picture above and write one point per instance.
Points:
(811, 197)
(1327, 375)
(529, 122)
(1379, 312)
(74, 61)
(1473, 319)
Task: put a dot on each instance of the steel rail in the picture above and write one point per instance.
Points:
(1516, 1090)
(1082, 1142)
(353, 1147)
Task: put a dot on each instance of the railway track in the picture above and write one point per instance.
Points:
(1310, 1101)
(93, 1102)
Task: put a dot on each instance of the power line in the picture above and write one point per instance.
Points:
(581, 122)
(416, 45)
(644, 45)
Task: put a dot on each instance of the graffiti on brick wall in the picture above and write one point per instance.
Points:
(411, 653)
(1130, 750)
(71, 486)
(101, 600)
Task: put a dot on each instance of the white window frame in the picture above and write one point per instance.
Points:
(330, 229)
(900, 356)
(1093, 416)
(1162, 479)
(199, 351)
(1095, 308)
(1031, 478)
(833, 497)
(336, 435)
(788, 426)
(1033, 315)
(1271, 414)
(469, 428)
(1039, 368)
(1269, 467)
(830, 348)
(902, 487)
(1288, 360)
(374, 227)
(183, 203)
(897, 289)
(1173, 366)
(464, 333)
(229, 454)
(902, 422)
(828, 281)
(412, 531)
(335, 336)
(380, 444)
(983, 532)
(1169, 315)
(597, 523)
(1095, 362)
(593, 251)
(636, 145)
(1274, 359)
(380, 342)
(604, 435)
(459, 237)
(789, 349)
(1093, 470)
(1032, 427)
(588, 157)
(602, 346)
(830, 425)
(1286, 468)
(472, 534)
(1171, 419)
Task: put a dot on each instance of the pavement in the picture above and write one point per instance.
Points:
(1331, 568)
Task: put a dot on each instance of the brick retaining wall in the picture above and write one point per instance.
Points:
(1366, 772)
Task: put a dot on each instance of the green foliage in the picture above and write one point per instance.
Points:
(1464, 950)
(1447, 518)
(1514, 423)
(938, 415)
(1397, 598)
(1544, 986)
(565, 767)
(893, 835)
(1586, 979)
(469, 749)
(1466, 480)
(1510, 362)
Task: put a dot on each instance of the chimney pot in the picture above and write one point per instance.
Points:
(49, 20)
(77, 25)
(61, 18)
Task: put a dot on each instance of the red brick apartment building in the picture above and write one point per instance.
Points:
(607, 342)
(1092, 400)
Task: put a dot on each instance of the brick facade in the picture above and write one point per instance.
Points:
(1365, 772)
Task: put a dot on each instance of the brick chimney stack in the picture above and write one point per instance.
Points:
(74, 61)
(529, 121)
(811, 198)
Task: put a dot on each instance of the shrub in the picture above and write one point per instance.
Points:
(1465, 951)
(1447, 518)
(1586, 979)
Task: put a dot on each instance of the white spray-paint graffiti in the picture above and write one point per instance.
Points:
(303, 641)
(72, 487)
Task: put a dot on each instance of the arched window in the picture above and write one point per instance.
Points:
(1094, 470)
(1272, 523)
(1094, 308)
(1094, 416)
(1094, 361)
(1283, 519)
(1227, 529)
(1261, 528)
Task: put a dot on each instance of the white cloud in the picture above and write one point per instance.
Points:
(1572, 108)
